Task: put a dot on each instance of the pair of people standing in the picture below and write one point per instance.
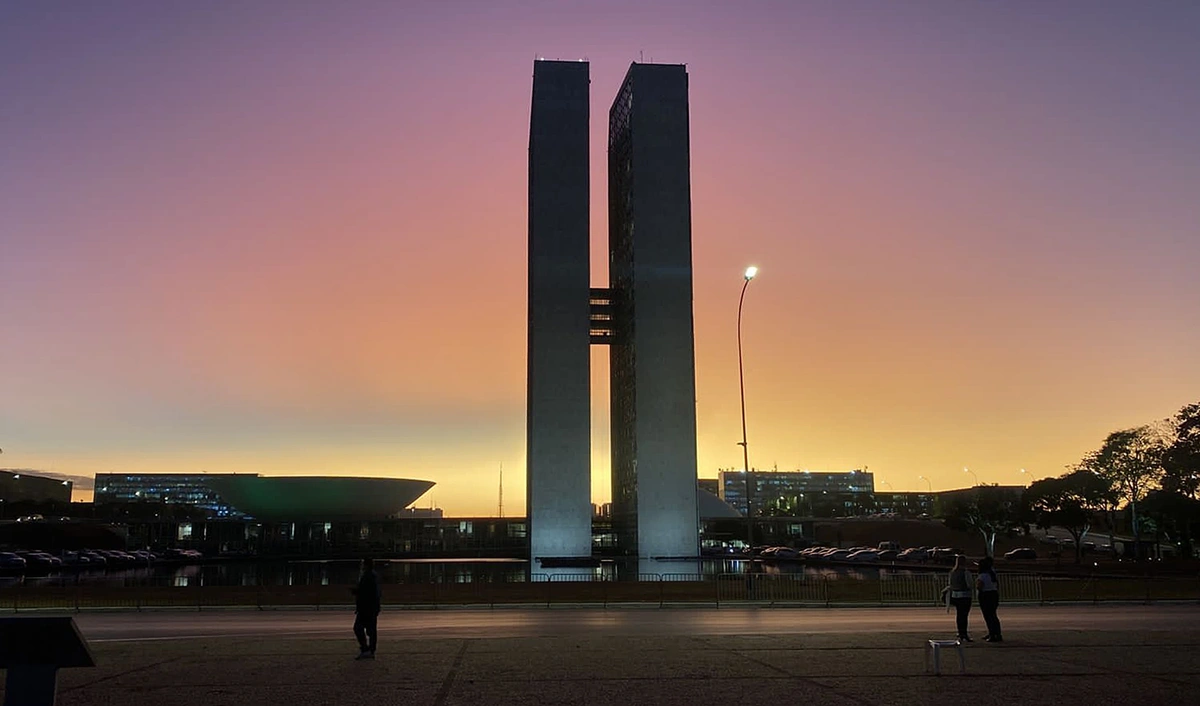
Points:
(958, 594)
(368, 598)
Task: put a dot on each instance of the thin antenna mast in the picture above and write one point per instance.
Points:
(502, 488)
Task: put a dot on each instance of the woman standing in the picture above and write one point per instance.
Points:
(959, 596)
(989, 598)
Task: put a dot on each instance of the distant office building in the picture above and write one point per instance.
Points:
(905, 504)
(802, 493)
(644, 315)
(19, 485)
(710, 485)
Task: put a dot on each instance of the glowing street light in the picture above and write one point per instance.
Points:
(927, 482)
(968, 470)
(750, 273)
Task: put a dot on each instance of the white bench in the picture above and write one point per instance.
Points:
(935, 647)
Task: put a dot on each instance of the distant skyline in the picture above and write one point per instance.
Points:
(290, 238)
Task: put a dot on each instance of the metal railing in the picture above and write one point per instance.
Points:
(772, 589)
(911, 589)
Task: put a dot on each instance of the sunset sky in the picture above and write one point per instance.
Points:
(290, 237)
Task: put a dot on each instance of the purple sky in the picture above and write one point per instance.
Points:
(289, 237)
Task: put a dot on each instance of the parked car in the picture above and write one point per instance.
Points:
(76, 559)
(887, 555)
(118, 557)
(40, 560)
(8, 560)
(864, 555)
(1021, 553)
(95, 559)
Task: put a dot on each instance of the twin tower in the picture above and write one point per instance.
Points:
(644, 316)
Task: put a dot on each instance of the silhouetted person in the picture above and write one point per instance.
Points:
(367, 596)
(960, 595)
(989, 598)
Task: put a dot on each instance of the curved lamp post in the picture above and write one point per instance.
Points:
(749, 275)
(927, 482)
(968, 470)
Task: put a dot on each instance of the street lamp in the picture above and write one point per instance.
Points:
(889, 485)
(927, 482)
(750, 273)
(1026, 476)
(968, 470)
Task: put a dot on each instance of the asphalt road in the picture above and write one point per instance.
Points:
(633, 622)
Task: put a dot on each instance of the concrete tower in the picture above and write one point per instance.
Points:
(558, 423)
(653, 369)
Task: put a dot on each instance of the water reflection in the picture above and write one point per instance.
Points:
(416, 571)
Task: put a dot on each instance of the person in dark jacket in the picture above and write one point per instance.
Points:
(989, 598)
(958, 594)
(367, 597)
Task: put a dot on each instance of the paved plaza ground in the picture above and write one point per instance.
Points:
(1142, 655)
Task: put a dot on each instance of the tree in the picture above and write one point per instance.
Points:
(1070, 501)
(986, 509)
(1172, 514)
(1181, 460)
(1132, 460)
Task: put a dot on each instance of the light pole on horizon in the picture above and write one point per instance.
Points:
(749, 275)
(927, 482)
(889, 485)
(968, 470)
(1026, 476)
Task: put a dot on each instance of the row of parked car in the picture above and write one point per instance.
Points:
(1068, 544)
(886, 552)
(90, 558)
